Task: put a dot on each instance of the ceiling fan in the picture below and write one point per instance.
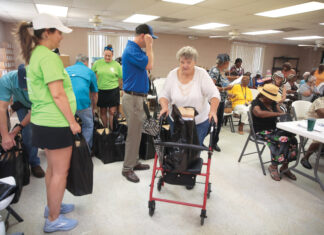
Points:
(318, 44)
(234, 34)
(98, 24)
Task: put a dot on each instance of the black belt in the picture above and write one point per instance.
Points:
(135, 93)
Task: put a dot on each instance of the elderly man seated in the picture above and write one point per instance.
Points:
(241, 98)
(308, 90)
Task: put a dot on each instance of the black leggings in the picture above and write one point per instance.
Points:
(220, 117)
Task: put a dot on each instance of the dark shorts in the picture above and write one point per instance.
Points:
(108, 98)
(51, 137)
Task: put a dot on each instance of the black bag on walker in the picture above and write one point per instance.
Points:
(80, 178)
(180, 159)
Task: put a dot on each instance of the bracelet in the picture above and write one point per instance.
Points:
(20, 125)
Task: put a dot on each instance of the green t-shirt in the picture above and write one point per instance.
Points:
(107, 73)
(44, 67)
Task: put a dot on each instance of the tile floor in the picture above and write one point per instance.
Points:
(243, 201)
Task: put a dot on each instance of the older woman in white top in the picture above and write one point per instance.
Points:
(189, 85)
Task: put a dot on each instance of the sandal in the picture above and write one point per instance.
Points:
(289, 174)
(274, 173)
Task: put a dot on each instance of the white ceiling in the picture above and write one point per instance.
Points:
(239, 14)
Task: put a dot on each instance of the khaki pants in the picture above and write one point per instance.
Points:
(242, 110)
(134, 112)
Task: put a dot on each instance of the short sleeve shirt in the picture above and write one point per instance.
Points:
(221, 81)
(303, 88)
(135, 77)
(45, 67)
(83, 79)
(9, 88)
(108, 74)
(316, 105)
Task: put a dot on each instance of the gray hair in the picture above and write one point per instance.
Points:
(311, 79)
(82, 58)
(187, 52)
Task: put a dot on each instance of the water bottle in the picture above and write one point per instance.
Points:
(2, 227)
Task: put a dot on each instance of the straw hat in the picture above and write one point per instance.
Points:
(270, 91)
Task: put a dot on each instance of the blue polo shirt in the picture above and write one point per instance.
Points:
(9, 88)
(83, 79)
(134, 69)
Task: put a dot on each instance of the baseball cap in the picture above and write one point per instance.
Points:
(146, 29)
(22, 83)
(46, 21)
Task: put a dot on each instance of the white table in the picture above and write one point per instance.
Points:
(296, 128)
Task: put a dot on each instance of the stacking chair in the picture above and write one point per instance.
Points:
(5, 203)
(259, 144)
(300, 109)
(229, 117)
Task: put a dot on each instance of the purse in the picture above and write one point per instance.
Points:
(150, 125)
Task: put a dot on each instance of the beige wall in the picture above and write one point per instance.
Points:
(167, 45)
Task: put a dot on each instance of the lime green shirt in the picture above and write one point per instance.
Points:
(44, 67)
(107, 73)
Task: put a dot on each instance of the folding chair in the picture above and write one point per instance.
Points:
(258, 143)
(229, 117)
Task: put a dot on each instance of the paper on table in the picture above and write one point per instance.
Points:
(318, 126)
(236, 81)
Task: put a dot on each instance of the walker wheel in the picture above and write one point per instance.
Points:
(159, 184)
(202, 220)
(202, 217)
(151, 207)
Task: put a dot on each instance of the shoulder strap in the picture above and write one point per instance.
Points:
(147, 112)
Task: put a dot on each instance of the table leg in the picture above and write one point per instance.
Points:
(318, 156)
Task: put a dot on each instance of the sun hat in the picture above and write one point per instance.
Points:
(47, 21)
(270, 91)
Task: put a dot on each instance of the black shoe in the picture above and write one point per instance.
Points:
(37, 171)
(190, 187)
(306, 163)
(216, 148)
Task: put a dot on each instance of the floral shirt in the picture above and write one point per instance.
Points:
(221, 81)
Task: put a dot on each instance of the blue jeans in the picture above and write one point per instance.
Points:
(87, 124)
(202, 129)
(27, 139)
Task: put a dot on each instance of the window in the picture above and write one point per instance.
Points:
(252, 56)
(97, 42)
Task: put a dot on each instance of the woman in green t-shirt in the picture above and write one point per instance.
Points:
(52, 115)
(109, 75)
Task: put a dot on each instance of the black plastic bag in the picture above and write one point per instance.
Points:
(146, 150)
(14, 163)
(80, 178)
(95, 142)
(179, 159)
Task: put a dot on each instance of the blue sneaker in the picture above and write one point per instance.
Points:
(60, 224)
(65, 208)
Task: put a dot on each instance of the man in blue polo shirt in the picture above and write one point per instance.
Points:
(13, 84)
(84, 80)
(136, 62)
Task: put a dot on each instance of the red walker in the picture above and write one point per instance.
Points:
(162, 179)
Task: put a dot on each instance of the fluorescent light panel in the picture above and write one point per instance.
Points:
(262, 32)
(321, 23)
(208, 26)
(292, 10)
(186, 2)
(304, 38)
(305, 45)
(140, 18)
(52, 10)
(217, 36)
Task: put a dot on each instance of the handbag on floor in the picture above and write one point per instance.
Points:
(80, 177)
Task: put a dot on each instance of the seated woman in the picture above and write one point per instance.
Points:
(283, 145)
(308, 90)
(189, 85)
(279, 80)
(241, 98)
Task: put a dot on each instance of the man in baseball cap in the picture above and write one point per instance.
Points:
(145, 29)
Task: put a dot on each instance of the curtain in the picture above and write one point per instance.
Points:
(97, 42)
(252, 56)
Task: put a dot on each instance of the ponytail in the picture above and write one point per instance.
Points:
(27, 41)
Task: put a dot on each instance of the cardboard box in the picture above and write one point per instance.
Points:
(66, 60)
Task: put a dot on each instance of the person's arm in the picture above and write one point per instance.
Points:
(307, 92)
(94, 100)
(214, 102)
(320, 112)
(284, 94)
(7, 141)
(149, 51)
(164, 106)
(24, 123)
(264, 114)
(59, 96)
